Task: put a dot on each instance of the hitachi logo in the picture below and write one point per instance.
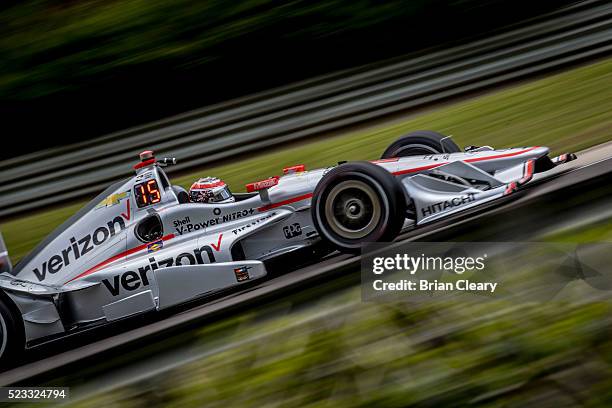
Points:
(445, 205)
(79, 247)
(132, 280)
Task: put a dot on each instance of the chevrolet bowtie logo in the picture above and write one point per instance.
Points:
(112, 199)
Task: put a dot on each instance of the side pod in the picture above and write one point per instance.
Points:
(178, 284)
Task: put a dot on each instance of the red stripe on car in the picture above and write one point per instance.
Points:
(416, 169)
(472, 160)
(285, 202)
(391, 160)
(118, 256)
(500, 156)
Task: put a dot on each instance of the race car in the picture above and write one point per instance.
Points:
(146, 245)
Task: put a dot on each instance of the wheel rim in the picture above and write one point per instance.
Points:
(415, 150)
(353, 209)
(3, 335)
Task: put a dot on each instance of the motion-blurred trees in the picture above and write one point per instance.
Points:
(81, 68)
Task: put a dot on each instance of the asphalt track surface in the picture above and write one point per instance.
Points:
(591, 163)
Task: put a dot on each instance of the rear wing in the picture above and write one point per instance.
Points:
(5, 261)
(263, 186)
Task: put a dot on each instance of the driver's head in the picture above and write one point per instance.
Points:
(210, 190)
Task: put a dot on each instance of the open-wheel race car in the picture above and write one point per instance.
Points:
(146, 245)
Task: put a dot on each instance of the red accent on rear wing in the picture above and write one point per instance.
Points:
(263, 184)
(294, 169)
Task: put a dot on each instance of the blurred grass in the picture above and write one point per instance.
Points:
(567, 112)
(342, 352)
(598, 232)
(336, 351)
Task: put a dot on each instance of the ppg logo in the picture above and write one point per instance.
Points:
(292, 231)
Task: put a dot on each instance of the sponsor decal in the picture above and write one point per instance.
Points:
(237, 214)
(129, 281)
(19, 283)
(186, 225)
(112, 200)
(77, 247)
(155, 246)
(133, 280)
(252, 224)
(436, 157)
(126, 214)
(447, 204)
(242, 273)
(260, 185)
(144, 176)
(292, 231)
(218, 246)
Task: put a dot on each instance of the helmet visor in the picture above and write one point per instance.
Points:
(222, 195)
(212, 195)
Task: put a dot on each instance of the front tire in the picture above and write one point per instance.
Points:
(11, 338)
(356, 203)
(420, 143)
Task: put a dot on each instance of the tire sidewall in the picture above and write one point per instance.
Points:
(434, 142)
(11, 339)
(3, 336)
(384, 204)
(389, 202)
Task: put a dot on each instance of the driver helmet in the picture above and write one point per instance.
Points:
(210, 190)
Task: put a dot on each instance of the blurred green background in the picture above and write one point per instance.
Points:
(567, 112)
(84, 68)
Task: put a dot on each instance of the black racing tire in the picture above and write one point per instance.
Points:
(421, 142)
(11, 335)
(356, 203)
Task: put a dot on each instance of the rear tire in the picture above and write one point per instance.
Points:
(356, 203)
(421, 142)
(11, 336)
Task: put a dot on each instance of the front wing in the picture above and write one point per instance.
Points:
(459, 185)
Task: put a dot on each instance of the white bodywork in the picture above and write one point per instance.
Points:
(95, 269)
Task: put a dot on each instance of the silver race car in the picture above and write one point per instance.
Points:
(146, 245)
